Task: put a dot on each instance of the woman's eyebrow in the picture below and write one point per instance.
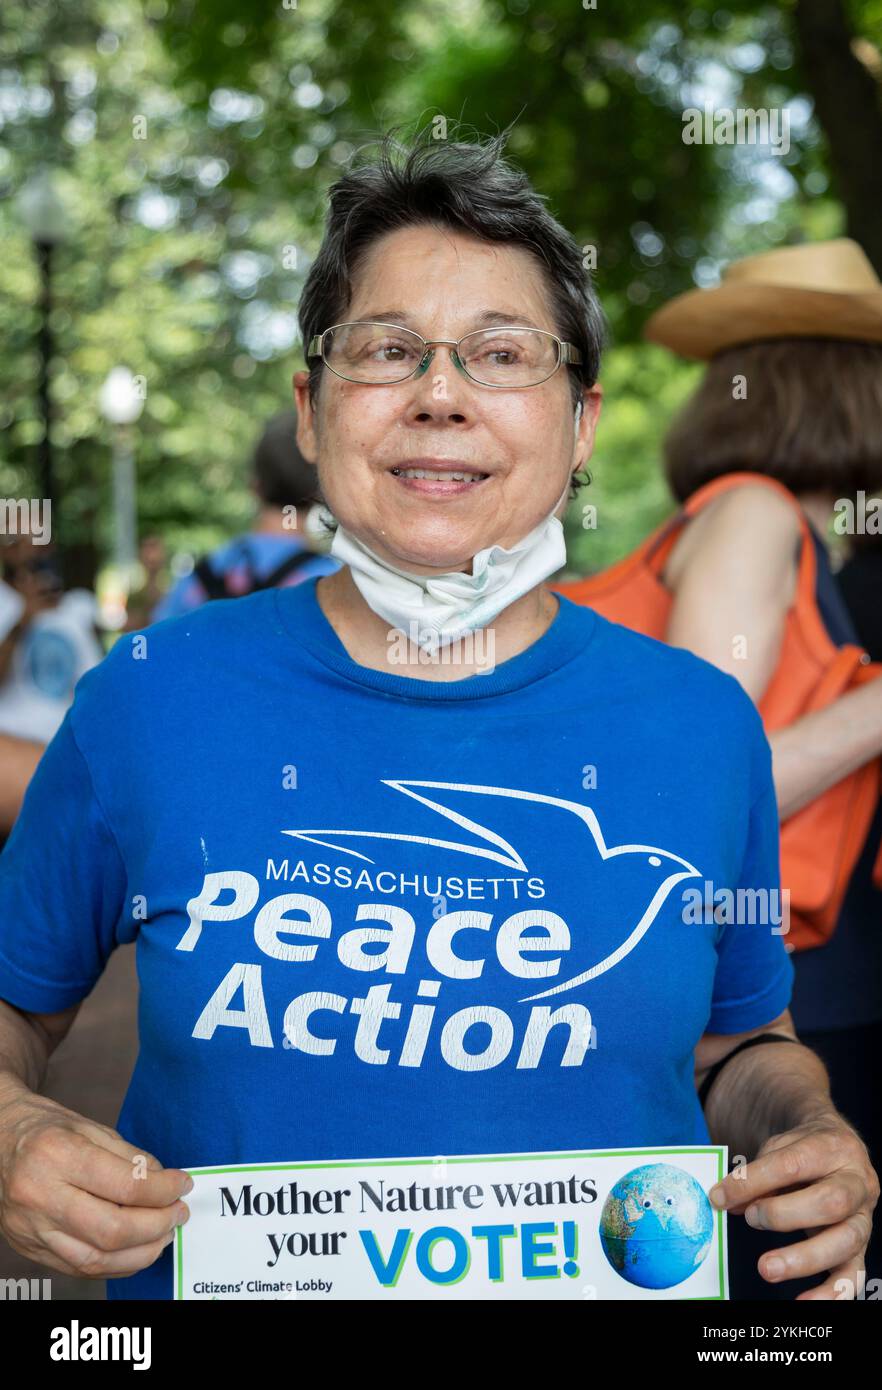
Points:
(384, 316)
(488, 318)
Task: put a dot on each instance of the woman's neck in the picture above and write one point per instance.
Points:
(368, 641)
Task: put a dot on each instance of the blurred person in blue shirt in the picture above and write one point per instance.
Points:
(279, 550)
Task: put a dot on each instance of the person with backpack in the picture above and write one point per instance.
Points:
(786, 421)
(279, 550)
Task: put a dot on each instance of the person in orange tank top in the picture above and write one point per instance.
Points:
(792, 392)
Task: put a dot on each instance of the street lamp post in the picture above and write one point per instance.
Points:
(121, 404)
(45, 217)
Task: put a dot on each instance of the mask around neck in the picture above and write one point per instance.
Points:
(434, 610)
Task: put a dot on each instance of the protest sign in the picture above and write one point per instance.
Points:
(611, 1224)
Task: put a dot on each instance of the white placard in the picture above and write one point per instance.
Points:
(612, 1224)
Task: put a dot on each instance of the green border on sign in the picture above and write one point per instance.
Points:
(465, 1158)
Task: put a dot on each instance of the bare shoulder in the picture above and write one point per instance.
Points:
(752, 522)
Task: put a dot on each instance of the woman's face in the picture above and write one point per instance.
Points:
(523, 443)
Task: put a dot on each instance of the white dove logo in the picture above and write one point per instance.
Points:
(498, 849)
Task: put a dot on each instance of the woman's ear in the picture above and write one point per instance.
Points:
(306, 421)
(587, 415)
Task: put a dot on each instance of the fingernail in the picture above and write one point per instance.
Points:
(774, 1267)
(717, 1196)
(189, 1185)
(183, 1214)
(751, 1216)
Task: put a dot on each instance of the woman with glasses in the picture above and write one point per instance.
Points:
(411, 852)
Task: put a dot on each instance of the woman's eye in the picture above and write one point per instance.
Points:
(500, 356)
(388, 351)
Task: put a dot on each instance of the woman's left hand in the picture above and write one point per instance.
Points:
(817, 1178)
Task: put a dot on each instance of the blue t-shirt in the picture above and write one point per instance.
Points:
(380, 916)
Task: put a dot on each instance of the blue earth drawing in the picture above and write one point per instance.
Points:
(656, 1226)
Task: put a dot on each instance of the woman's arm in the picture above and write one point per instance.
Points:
(801, 1086)
(27, 1041)
(820, 749)
(18, 758)
(74, 1196)
(808, 1169)
(733, 575)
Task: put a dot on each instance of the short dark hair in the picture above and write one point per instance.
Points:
(464, 185)
(282, 476)
(810, 416)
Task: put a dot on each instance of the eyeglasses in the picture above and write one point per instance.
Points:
(383, 354)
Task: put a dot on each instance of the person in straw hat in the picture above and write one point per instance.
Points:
(793, 393)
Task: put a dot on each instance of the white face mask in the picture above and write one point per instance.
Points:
(436, 609)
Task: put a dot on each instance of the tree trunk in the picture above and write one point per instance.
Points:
(848, 102)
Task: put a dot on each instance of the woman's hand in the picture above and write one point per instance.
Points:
(76, 1197)
(817, 1178)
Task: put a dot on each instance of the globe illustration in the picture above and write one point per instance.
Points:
(656, 1226)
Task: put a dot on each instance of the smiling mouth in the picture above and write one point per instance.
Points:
(433, 475)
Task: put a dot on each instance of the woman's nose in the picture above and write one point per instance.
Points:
(442, 389)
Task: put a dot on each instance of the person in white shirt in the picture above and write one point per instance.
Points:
(47, 641)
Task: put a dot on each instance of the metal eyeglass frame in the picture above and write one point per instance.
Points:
(567, 353)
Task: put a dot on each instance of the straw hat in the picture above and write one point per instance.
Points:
(823, 289)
